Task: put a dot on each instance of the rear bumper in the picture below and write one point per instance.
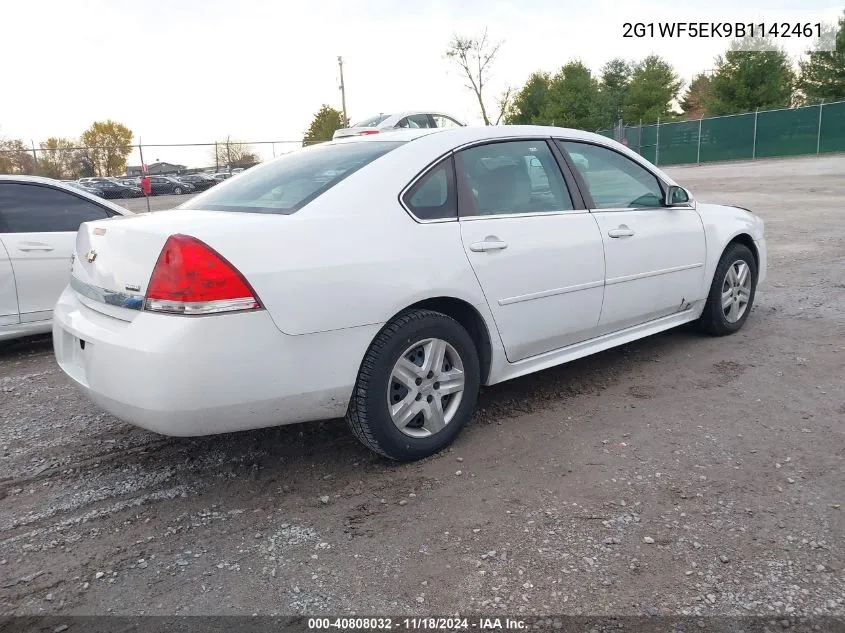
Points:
(204, 375)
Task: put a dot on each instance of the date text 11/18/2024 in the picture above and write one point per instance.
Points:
(416, 624)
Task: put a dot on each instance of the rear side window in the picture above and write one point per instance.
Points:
(26, 208)
(434, 197)
(288, 183)
(512, 177)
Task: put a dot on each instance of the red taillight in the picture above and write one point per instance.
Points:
(364, 132)
(190, 277)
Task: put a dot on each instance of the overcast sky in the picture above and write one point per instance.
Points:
(188, 71)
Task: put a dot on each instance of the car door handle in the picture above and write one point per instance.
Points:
(26, 248)
(487, 245)
(622, 231)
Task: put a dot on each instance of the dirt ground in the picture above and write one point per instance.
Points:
(677, 475)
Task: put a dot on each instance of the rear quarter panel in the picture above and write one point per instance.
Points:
(354, 256)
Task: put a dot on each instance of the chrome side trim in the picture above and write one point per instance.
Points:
(127, 300)
(551, 293)
(627, 209)
(201, 308)
(652, 273)
(532, 214)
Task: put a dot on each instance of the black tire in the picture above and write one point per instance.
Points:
(368, 415)
(177, 190)
(713, 319)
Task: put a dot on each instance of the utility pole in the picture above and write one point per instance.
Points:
(143, 169)
(34, 156)
(342, 90)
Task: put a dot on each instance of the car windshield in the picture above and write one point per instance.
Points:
(288, 183)
(371, 122)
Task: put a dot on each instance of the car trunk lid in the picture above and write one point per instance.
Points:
(114, 260)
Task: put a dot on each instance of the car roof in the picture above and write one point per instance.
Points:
(439, 141)
(58, 184)
(469, 134)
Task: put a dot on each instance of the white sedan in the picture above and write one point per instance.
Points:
(386, 277)
(398, 121)
(39, 219)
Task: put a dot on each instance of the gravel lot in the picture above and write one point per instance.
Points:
(677, 475)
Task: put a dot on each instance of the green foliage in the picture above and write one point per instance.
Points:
(822, 75)
(654, 85)
(745, 80)
(109, 145)
(529, 104)
(573, 98)
(613, 89)
(695, 98)
(323, 126)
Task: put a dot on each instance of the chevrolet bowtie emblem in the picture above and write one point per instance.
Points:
(90, 256)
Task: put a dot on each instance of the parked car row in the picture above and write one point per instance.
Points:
(159, 185)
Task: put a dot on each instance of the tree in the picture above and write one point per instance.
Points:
(323, 125)
(231, 154)
(15, 157)
(654, 86)
(529, 104)
(613, 89)
(475, 56)
(109, 145)
(695, 98)
(747, 79)
(58, 159)
(822, 75)
(573, 98)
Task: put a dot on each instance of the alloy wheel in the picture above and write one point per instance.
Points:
(425, 387)
(736, 291)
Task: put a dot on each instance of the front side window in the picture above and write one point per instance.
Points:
(26, 208)
(433, 197)
(614, 181)
(288, 183)
(512, 177)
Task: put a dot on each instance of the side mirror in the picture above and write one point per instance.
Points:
(676, 197)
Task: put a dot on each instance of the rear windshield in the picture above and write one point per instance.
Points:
(372, 122)
(288, 183)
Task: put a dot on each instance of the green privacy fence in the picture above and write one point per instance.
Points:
(768, 133)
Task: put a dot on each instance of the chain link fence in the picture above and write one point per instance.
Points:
(764, 134)
(812, 129)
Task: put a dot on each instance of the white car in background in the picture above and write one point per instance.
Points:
(401, 121)
(387, 277)
(39, 218)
